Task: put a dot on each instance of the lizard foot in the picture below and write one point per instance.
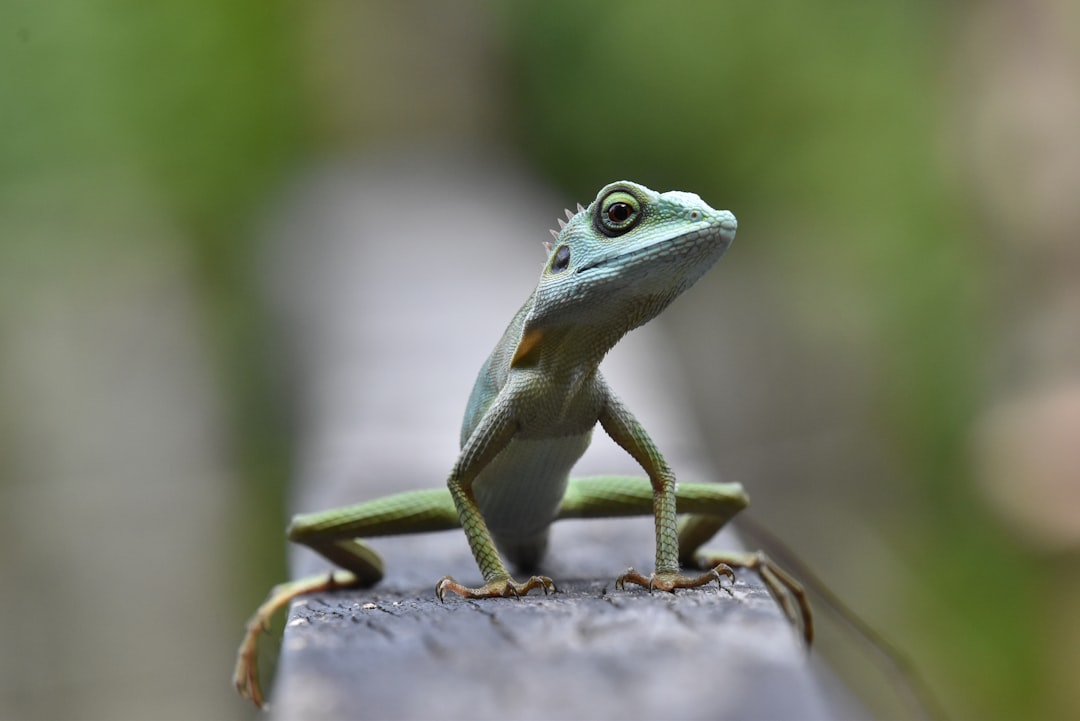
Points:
(505, 588)
(670, 580)
(782, 586)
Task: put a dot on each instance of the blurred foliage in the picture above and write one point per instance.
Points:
(198, 98)
(134, 135)
(187, 113)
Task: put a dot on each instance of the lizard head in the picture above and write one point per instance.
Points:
(617, 263)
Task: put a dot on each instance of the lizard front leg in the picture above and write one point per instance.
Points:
(625, 430)
(497, 580)
(494, 433)
(705, 509)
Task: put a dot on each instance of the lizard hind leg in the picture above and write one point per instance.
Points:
(246, 672)
(788, 592)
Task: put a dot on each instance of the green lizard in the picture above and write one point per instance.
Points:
(613, 266)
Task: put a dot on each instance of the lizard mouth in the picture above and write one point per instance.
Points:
(664, 249)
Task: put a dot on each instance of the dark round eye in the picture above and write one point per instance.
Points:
(561, 261)
(617, 212)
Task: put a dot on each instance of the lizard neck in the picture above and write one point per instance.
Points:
(574, 350)
(576, 342)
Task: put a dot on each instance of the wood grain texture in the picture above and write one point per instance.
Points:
(588, 651)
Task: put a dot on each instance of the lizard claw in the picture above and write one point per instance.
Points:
(670, 580)
(499, 588)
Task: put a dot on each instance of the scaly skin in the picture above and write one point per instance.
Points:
(612, 267)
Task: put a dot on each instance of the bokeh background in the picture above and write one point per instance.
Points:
(905, 404)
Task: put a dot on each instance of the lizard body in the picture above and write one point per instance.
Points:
(612, 267)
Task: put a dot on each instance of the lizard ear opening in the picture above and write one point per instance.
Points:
(560, 261)
(528, 349)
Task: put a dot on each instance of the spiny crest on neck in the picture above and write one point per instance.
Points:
(562, 224)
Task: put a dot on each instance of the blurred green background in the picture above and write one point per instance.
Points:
(905, 178)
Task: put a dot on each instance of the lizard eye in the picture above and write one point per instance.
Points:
(618, 212)
(561, 259)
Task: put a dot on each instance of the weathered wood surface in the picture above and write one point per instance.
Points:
(588, 651)
(582, 653)
(391, 286)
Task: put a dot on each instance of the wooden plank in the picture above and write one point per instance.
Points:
(586, 652)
